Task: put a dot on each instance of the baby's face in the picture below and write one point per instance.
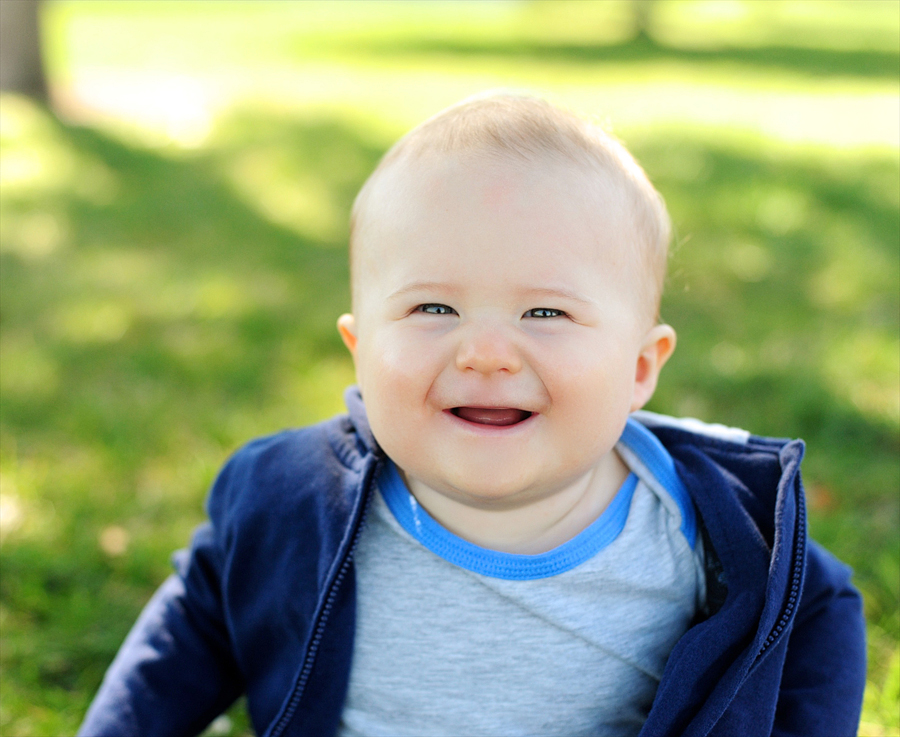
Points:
(498, 334)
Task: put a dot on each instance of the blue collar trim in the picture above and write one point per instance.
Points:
(510, 566)
(646, 446)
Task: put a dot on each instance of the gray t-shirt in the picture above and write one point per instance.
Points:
(453, 639)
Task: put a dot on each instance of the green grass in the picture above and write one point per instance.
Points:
(162, 302)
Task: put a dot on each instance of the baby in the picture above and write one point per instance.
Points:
(495, 541)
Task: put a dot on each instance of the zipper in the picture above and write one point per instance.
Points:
(288, 714)
(796, 579)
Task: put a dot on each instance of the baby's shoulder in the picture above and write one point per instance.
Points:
(720, 442)
(289, 473)
(693, 426)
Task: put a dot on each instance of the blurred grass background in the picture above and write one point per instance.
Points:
(172, 262)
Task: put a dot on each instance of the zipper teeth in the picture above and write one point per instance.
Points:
(320, 628)
(311, 653)
(794, 595)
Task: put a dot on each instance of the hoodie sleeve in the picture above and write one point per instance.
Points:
(175, 672)
(825, 669)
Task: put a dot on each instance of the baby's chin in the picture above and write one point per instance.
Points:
(487, 490)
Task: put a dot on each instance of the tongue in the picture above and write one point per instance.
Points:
(490, 416)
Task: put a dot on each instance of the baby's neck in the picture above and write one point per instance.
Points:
(535, 526)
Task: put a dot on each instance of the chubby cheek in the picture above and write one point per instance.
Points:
(395, 379)
(396, 364)
(591, 397)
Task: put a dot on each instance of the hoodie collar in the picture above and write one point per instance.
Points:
(354, 401)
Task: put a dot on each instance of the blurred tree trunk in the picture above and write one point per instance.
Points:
(21, 68)
(642, 12)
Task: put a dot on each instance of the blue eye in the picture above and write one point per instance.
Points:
(434, 309)
(544, 312)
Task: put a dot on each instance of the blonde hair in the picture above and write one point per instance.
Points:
(528, 128)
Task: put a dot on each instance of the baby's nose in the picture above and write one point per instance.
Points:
(487, 351)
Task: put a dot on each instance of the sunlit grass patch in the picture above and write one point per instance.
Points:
(869, 24)
(166, 72)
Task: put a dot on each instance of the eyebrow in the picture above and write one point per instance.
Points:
(533, 292)
(423, 286)
(557, 292)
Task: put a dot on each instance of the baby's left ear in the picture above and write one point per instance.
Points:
(655, 351)
(346, 326)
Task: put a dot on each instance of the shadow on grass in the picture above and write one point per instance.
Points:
(798, 60)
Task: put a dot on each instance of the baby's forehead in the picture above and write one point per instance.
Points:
(447, 192)
(491, 179)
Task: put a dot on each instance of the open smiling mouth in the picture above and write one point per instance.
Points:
(496, 416)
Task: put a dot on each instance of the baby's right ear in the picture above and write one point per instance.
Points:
(346, 326)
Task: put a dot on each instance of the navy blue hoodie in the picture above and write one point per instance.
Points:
(263, 603)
